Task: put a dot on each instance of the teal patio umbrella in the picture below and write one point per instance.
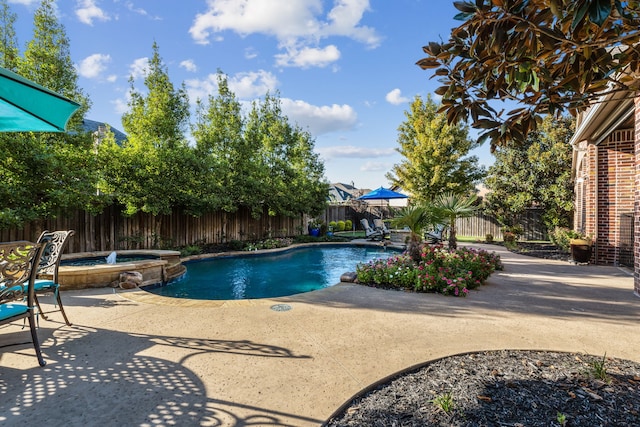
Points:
(26, 106)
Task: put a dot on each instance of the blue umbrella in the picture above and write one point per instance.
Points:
(382, 194)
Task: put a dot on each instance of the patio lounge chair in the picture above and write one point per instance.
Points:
(380, 225)
(370, 233)
(47, 275)
(435, 236)
(18, 266)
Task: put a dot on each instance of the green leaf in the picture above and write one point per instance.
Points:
(464, 6)
(579, 15)
(463, 16)
(599, 11)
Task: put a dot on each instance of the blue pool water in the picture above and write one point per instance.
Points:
(265, 276)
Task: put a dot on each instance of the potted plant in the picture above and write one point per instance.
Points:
(314, 227)
(581, 250)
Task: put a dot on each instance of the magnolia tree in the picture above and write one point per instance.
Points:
(550, 56)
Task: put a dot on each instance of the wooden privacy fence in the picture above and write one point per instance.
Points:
(478, 225)
(110, 230)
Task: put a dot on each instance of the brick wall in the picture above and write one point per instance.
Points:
(636, 209)
(616, 168)
(604, 190)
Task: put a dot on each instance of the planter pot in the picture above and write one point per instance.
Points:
(581, 251)
(315, 232)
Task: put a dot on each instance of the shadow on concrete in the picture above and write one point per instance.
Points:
(103, 377)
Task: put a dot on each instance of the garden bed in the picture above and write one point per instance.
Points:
(504, 388)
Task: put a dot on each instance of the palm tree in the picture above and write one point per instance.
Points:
(416, 218)
(451, 206)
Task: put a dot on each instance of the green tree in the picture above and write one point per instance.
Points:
(535, 173)
(549, 56)
(47, 60)
(289, 172)
(47, 174)
(156, 170)
(9, 53)
(230, 159)
(160, 117)
(435, 154)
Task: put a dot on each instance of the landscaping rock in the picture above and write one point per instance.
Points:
(349, 277)
(130, 279)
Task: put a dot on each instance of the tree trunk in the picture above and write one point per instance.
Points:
(453, 244)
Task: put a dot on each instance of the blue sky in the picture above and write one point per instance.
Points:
(344, 69)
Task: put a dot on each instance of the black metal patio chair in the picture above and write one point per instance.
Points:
(18, 267)
(47, 274)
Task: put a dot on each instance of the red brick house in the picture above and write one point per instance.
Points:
(606, 145)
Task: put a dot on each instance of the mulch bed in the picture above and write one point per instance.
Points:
(504, 388)
(540, 250)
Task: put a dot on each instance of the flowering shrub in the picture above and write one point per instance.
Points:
(439, 270)
(272, 243)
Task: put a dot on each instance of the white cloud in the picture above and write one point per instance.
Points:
(252, 84)
(319, 120)
(308, 57)
(351, 151)
(344, 19)
(250, 53)
(283, 19)
(92, 66)
(189, 65)
(201, 89)
(138, 10)
(246, 85)
(395, 97)
(120, 106)
(138, 67)
(297, 25)
(375, 167)
(112, 78)
(88, 10)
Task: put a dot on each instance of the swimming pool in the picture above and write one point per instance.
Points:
(290, 272)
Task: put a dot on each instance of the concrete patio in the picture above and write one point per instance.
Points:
(134, 359)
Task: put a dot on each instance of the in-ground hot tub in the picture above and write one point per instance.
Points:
(90, 269)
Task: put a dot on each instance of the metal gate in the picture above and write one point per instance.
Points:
(625, 257)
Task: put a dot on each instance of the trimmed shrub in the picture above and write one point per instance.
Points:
(348, 225)
(341, 225)
(562, 236)
(236, 245)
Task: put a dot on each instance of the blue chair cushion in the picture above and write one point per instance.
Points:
(12, 309)
(42, 284)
